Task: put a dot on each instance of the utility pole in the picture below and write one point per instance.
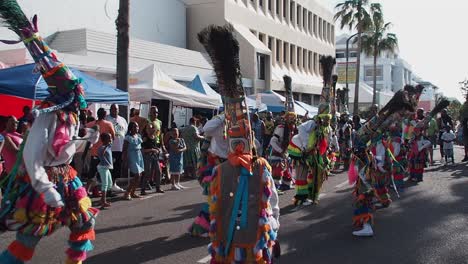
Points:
(122, 24)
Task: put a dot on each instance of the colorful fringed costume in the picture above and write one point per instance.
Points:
(43, 192)
(243, 200)
(309, 148)
(399, 153)
(382, 168)
(365, 162)
(214, 153)
(417, 155)
(282, 135)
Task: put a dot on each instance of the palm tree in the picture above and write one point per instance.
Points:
(353, 13)
(378, 41)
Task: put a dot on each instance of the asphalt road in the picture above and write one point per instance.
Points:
(428, 224)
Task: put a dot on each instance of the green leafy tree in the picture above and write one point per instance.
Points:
(378, 41)
(354, 15)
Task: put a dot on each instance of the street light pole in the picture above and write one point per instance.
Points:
(347, 62)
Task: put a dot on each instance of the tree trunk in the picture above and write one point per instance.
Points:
(358, 70)
(374, 94)
(122, 24)
(358, 61)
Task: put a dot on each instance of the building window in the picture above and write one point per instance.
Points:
(269, 5)
(306, 98)
(320, 27)
(353, 54)
(261, 64)
(304, 59)
(296, 96)
(291, 11)
(310, 23)
(270, 43)
(278, 7)
(315, 25)
(309, 66)
(340, 55)
(324, 32)
(316, 100)
(278, 50)
(260, 2)
(304, 18)
(298, 16)
(285, 9)
(369, 73)
(315, 62)
(285, 53)
(261, 37)
(299, 57)
(292, 52)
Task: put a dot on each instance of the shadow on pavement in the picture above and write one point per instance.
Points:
(148, 250)
(426, 225)
(191, 211)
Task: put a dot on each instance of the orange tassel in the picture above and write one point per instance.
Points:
(81, 236)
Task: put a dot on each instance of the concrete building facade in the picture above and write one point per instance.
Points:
(393, 72)
(276, 37)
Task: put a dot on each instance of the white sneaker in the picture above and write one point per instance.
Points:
(181, 187)
(175, 188)
(116, 188)
(366, 231)
(307, 202)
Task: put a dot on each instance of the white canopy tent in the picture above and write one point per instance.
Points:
(153, 83)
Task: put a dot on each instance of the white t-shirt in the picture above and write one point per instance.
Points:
(120, 127)
(448, 136)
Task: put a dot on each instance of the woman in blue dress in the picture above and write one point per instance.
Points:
(134, 160)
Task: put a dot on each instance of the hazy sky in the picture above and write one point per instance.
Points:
(433, 38)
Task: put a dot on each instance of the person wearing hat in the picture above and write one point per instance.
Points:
(243, 202)
(44, 192)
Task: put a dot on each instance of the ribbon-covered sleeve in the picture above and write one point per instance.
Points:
(36, 151)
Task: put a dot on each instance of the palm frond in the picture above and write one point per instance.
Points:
(12, 16)
(223, 49)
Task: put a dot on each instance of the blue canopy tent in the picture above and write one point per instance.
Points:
(275, 102)
(22, 81)
(202, 87)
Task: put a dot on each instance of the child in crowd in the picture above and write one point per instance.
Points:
(176, 154)
(134, 159)
(448, 137)
(104, 167)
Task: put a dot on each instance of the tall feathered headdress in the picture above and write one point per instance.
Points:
(289, 103)
(65, 89)
(223, 49)
(327, 64)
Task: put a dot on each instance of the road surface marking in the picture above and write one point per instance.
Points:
(151, 196)
(205, 259)
(341, 185)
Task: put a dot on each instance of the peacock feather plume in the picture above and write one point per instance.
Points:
(223, 49)
(327, 63)
(287, 84)
(12, 17)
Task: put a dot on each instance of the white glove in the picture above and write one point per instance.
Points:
(381, 169)
(52, 198)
